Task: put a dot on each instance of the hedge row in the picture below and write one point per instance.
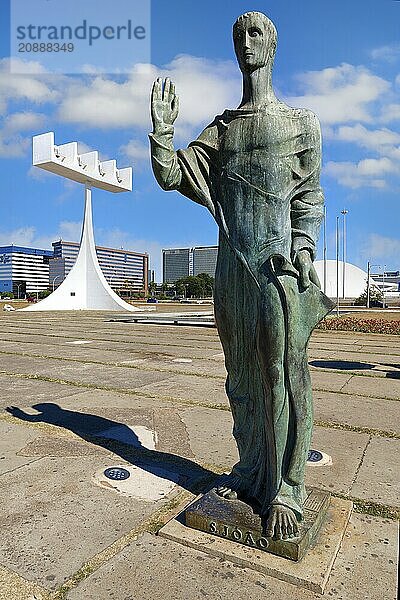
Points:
(360, 324)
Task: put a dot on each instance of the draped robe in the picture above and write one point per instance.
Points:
(257, 171)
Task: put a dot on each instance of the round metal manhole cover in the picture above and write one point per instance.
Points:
(117, 473)
(315, 456)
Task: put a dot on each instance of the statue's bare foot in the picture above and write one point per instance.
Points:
(281, 523)
(226, 492)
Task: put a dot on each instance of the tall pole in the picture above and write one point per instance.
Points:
(324, 255)
(383, 285)
(368, 282)
(344, 213)
(337, 266)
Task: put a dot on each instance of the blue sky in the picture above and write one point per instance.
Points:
(341, 59)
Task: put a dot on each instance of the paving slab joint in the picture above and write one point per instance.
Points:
(360, 464)
(150, 525)
(369, 507)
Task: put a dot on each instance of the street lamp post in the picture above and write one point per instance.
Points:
(54, 280)
(18, 286)
(344, 213)
(383, 285)
(324, 250)
(337, 266)
(383, 267)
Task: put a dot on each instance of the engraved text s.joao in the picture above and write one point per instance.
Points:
(249, 538)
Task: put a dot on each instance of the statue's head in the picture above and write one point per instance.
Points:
(254, 37)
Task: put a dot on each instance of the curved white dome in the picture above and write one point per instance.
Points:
(355, 279)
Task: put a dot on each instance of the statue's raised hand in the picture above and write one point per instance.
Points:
(164, 104)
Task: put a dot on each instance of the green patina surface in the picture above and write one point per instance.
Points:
(257, 170)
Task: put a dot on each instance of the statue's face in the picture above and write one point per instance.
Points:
(253, 46)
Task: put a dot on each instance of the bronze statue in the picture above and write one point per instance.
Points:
(257, 168)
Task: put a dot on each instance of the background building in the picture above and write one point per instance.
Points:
(24, 270)
(387, 281)
(123, 269)
(175, 264)
(355, 278)
(182, 262)
(205, 260)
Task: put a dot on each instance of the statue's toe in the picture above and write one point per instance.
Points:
(226, 492)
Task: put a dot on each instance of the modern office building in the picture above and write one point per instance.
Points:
(175, 264)
(182, 262)
(388, 281)
(123, 269)
(24, 270)
(205, 260)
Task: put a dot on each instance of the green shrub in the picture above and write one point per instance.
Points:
(375, 295)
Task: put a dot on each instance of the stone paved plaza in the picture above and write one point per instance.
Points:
(152, 397)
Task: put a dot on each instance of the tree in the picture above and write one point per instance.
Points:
(164, 287)
(375, 297)
(43, 294)
(152, 288)
(195, 286)
(208, 283)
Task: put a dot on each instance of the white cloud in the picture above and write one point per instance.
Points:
(23, 121)
(376, 166)
(32, 86)
(205, 88)
(13, 147)
(12, 143)
(136, 152)
(28, 235)
(369, 172)
(389, 53)
(340, 94)
(39, 174)
(384, 142)
(69, 231)
(35, 86)
(390, 112)
(379, 247)
(22, 236)
(375, 139)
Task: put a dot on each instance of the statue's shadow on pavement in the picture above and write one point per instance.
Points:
(349, 365)
(93, 429)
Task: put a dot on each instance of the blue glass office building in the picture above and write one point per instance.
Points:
(24, 270)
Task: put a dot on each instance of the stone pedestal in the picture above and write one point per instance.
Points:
(311, 572)
(235, 521)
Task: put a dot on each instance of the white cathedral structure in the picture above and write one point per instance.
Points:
(85, 287)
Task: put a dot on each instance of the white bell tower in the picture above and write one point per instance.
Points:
(85, 287)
